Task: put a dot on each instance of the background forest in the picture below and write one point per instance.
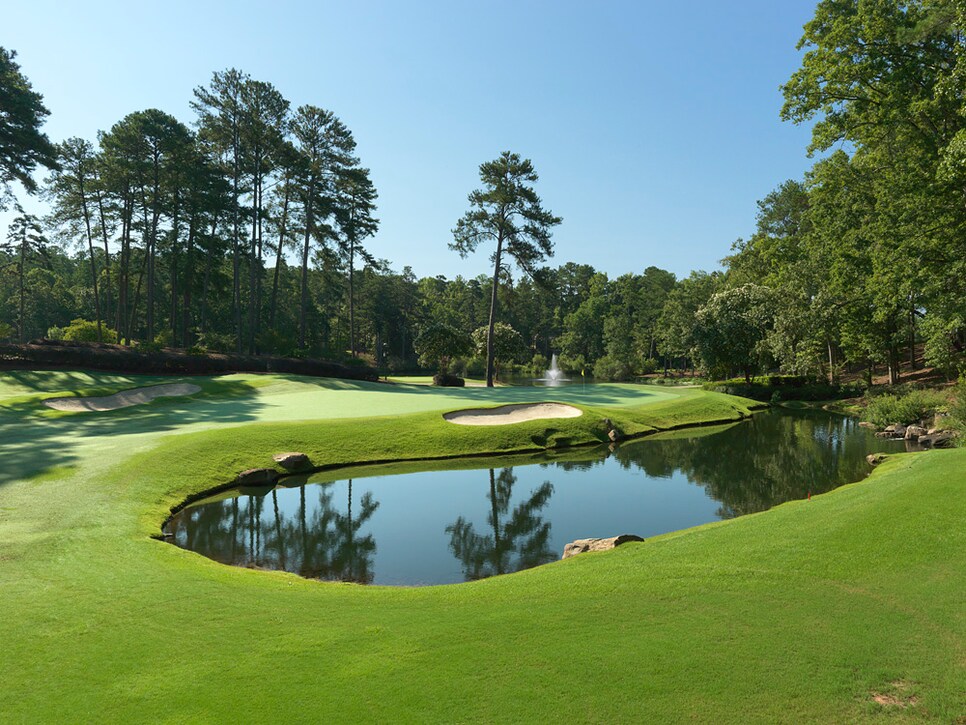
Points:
(246, 232)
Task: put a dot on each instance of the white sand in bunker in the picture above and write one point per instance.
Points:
(125, 398)
(507, 414)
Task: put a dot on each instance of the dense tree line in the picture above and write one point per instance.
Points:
(247, 232)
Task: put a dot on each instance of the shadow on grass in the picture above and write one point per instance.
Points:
(590, 394)
(34, 440)
(32, 444)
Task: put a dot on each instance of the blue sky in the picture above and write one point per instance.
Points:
(653, 125)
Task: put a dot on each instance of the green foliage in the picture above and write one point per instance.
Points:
(165, 338)
(438, 343)
(731, 330)
(508, 344)
(941, 331)
(911, 407)
(508, 213)
(216, 342)
(6, 331)
(957, 410)
(775, 388)
(475, 367)
(610, 368)
(539, 365)
(22, 145)
(80, 330)
(574, 365)
(148, 347)
(676, 327)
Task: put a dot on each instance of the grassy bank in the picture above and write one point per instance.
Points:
(806, 612)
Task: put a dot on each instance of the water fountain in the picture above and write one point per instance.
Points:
(553, 376)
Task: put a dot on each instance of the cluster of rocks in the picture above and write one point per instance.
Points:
(935, 437)
(262, 480)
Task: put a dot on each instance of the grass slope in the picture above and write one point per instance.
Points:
(803, 613)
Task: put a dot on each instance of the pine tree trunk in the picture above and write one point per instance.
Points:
(23, 295)
(253, 257)
(278, 257)
(90, 247)
(352, 314)
(304, 298)
(492, 324)
(107, 254)
(186, 285)
(152, 246)
(912, 339)
(236, 234)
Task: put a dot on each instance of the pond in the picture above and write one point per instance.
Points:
(406, 525)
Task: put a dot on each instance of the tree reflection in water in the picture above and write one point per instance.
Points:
(515, 543)
(319, 542)
(644, 487)
(772, 458)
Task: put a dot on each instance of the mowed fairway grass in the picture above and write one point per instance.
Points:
(850, 607)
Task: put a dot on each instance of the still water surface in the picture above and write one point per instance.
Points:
(405, 525)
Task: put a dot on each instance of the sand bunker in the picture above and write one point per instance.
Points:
(125, 398)
(507, 414)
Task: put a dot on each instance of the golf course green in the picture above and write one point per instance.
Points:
(845, 608)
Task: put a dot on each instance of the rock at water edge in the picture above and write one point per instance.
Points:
(581, 546)
(291, 460)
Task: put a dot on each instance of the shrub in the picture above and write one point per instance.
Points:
(611, 367)
(778, 388)
(906, 408)
(147, 347)
(6, 331)
(957, 408)
(215, 342)
(508, 345)
(81, 330)
(575, 365)
(438, 343)
(475, 367)
(274, 342)
(449, 381)
(165, 338)
(649, 366)
(539, 365)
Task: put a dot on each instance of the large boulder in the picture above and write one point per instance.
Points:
(257, 477)
(291, 461)
(874, 459)
(867, 424)
(913, 432)
(614, 434)
(581, 546)
(940, 439)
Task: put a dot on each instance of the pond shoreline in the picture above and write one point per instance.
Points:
(233, 484)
